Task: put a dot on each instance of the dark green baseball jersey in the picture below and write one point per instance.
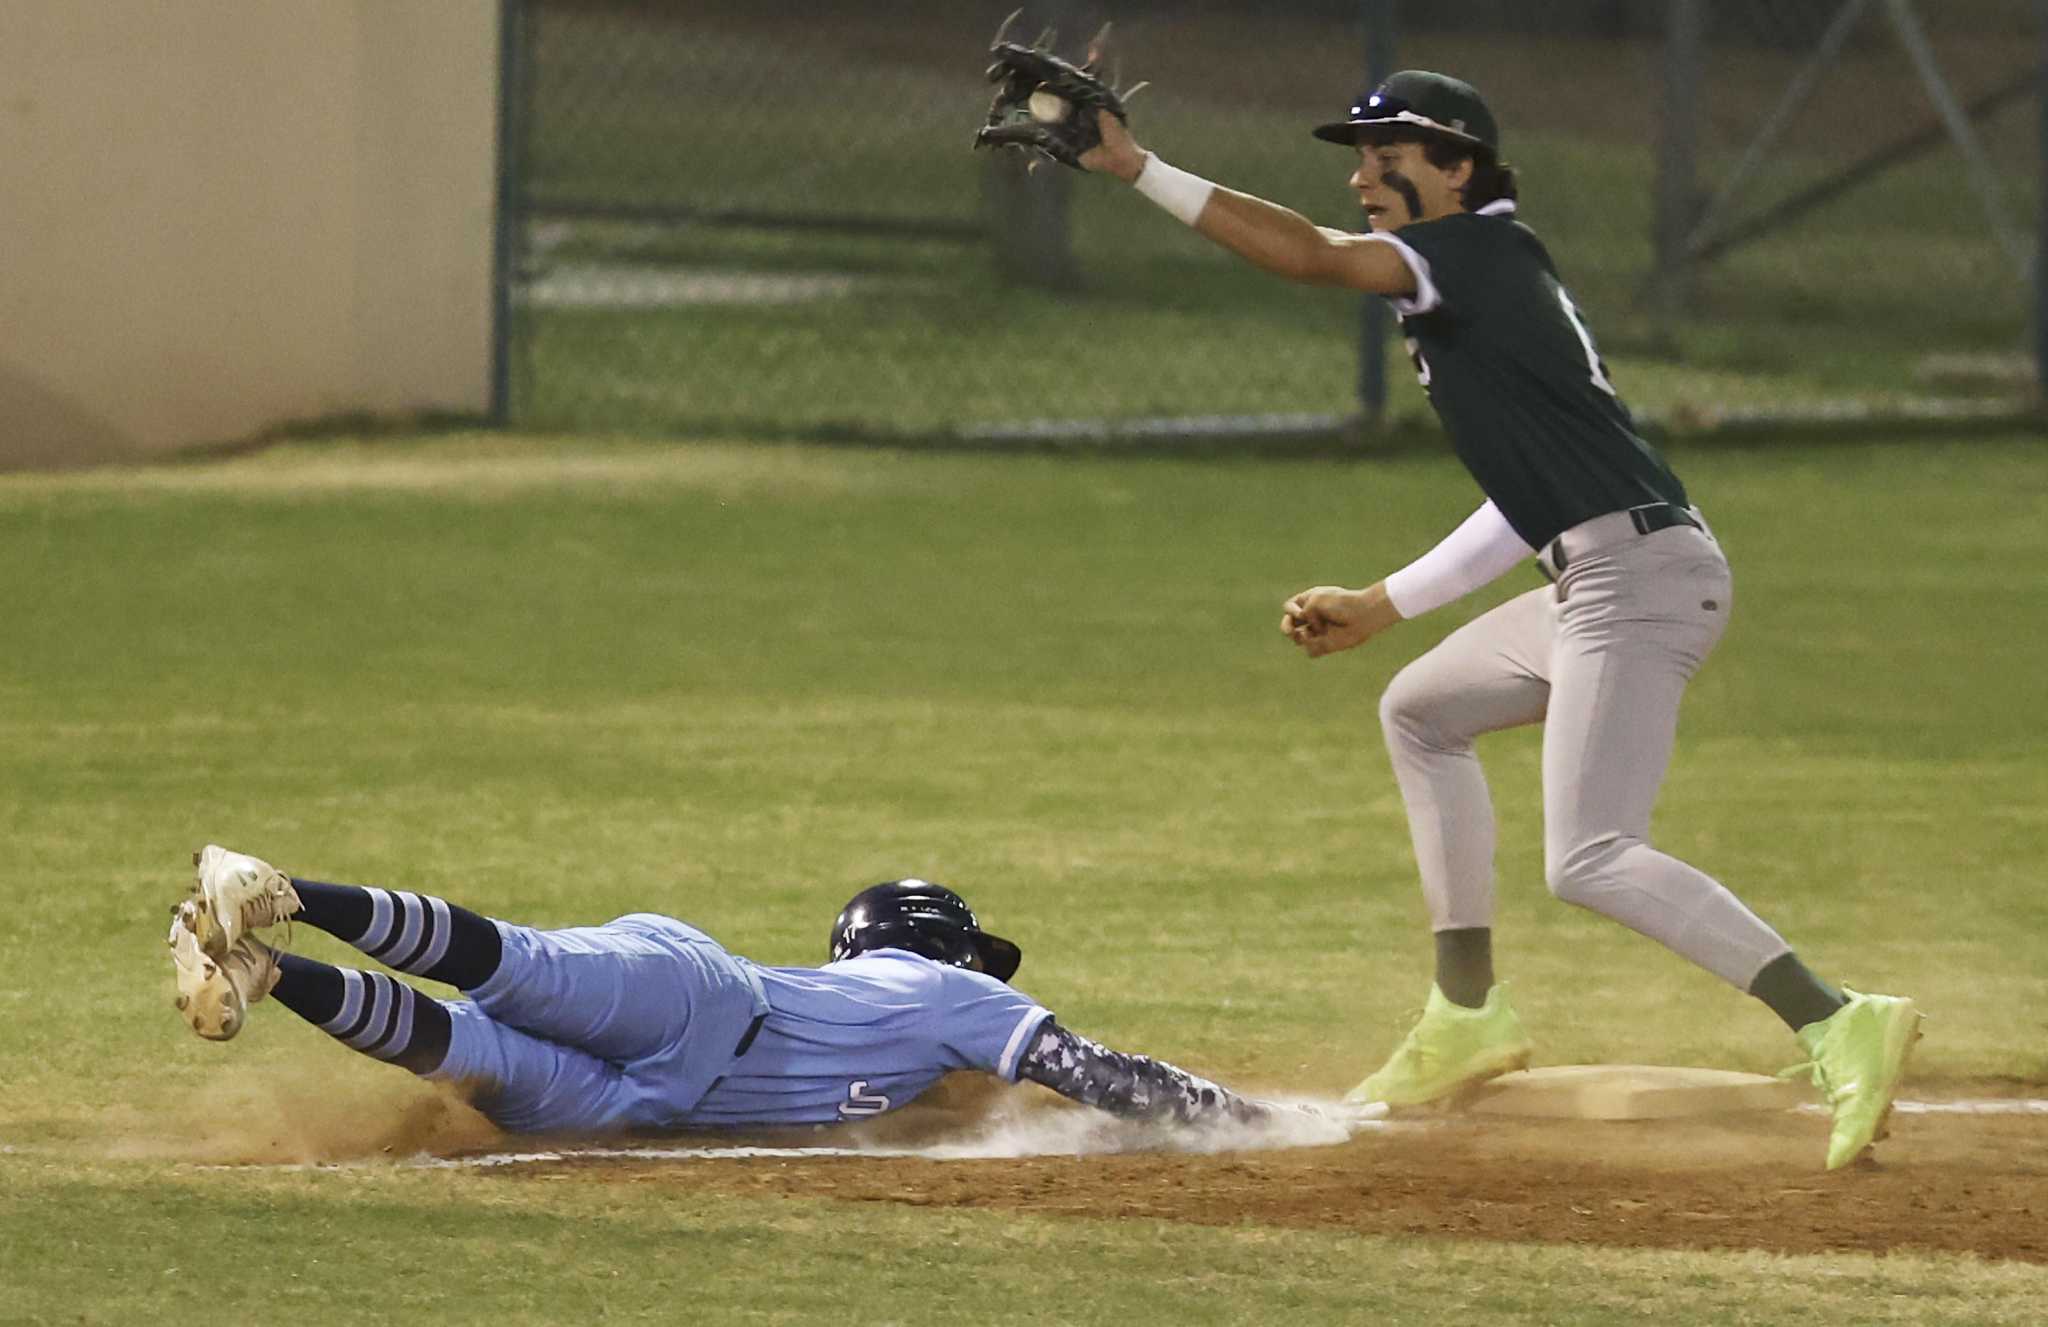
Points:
(1513, 374)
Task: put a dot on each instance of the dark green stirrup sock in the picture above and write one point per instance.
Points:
(1794, 994)
(1464, 965)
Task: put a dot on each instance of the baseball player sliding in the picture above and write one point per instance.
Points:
(1640, 589)
(648, 1023)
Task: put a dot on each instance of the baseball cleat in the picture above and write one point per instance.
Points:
(214, 994)
(235, 894)
(1449, 1051)
(1858, 1055)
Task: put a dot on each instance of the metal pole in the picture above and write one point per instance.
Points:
(1026, 202)
(1982, 173)
(1374, 319)
(1678, 156)
(1797, 92)
(2041, 231)
(507, 225)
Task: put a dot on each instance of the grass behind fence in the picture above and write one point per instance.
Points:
(1848, 305)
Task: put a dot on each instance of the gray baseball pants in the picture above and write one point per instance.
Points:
(1601, 659)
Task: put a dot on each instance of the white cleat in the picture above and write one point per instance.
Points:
(236, 894)
(214, 994)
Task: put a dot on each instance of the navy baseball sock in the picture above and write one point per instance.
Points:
(1794, 994)
(366, 1011)
(1464, 965)
(416, 933)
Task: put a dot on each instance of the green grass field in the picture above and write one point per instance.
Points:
(559, 680)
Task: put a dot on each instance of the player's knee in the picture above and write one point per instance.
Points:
(1411, 710)
(1581, 874)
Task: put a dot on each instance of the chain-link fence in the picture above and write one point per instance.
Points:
(765, 218)
(1851, 228)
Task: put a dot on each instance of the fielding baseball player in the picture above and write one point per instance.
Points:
(1639, 595)
(647, 1023)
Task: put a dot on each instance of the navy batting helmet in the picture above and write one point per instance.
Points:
(923, 918)
(1417, 101)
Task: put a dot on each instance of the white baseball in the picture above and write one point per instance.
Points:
(1048, 107)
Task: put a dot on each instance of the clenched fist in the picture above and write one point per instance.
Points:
(1329, 618)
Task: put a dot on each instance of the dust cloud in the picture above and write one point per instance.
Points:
(315, 1119)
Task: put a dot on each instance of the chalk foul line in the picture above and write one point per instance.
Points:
(1064, 1134)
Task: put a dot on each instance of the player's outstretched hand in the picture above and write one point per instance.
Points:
(1119, 153)
(1329, 618)
(1056, 109)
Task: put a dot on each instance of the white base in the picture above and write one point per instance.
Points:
(1634, 1092)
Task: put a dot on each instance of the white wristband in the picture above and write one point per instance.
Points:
(1174, 189)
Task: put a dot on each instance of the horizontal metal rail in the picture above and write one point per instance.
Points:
(682, 214)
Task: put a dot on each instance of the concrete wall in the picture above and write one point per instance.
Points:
(220, 215)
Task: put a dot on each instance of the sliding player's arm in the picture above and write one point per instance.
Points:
(1133, 1086)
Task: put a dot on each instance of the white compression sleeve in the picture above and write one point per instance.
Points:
(1476, 553)
(1174, 189)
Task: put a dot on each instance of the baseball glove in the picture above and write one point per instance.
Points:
(1044, 104)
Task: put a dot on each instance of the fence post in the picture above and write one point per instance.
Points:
(1028, 209)
(1374, 318)
(508, 226)
(1677, 200)
(1028, 220)
(2041, 226)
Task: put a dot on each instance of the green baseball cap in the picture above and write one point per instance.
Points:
(1416, 99)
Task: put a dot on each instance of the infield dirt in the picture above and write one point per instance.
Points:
(1945, 1182)
(1975, 1184)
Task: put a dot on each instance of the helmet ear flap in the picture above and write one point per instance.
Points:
(941, 945)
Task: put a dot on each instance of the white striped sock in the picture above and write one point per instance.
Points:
(409, 934)
(381, 909)
(399, 1036)
(380, 1009)
(351, 1004)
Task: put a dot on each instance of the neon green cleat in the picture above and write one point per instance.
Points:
(1858, 1056)
(1450, 1050)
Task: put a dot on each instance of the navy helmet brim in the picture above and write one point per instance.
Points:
(1351, 133)
(999, 958)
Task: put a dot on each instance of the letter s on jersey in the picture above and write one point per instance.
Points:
(860, 1101)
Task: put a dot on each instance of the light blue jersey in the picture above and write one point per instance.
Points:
(646, 1022)
(866, 1035)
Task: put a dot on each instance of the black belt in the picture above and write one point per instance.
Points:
(747, 1042)
(1648, 519)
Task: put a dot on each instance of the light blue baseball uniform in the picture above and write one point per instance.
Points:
(647, 1022)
